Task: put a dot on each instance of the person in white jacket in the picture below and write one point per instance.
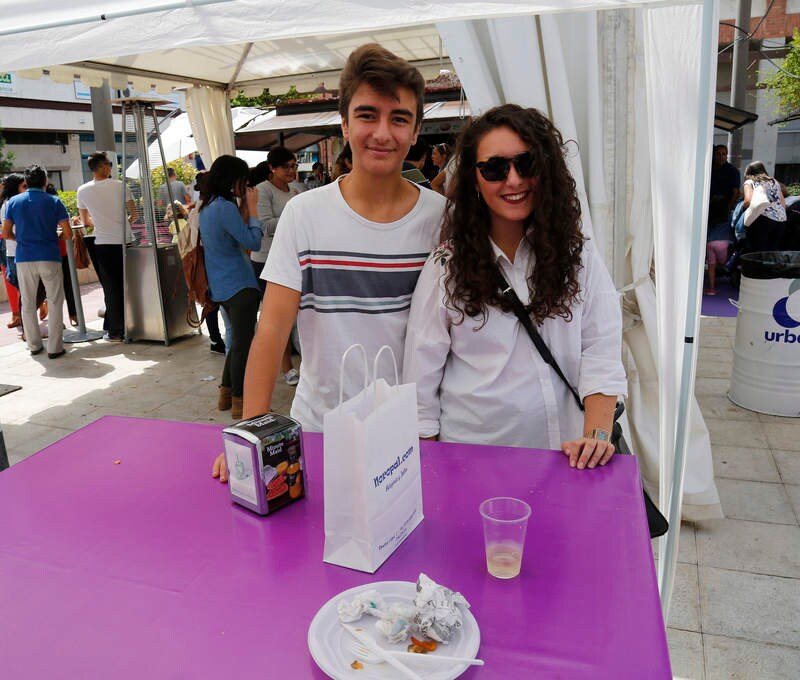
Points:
(480, 378)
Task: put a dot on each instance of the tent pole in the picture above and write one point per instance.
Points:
(706, 88)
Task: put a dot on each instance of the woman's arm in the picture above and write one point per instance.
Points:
(595, 447)
(427, 346)
(437, 183)
(247, 235)
(748, 194)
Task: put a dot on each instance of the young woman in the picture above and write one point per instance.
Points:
(766, 232)
(226, 231)
(479, 377)
(440, 157)
(12, 185)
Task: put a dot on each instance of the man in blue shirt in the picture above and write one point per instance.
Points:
(33, 219)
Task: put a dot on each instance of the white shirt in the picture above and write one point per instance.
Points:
(355, 279)
(103, 200)
(491, 386)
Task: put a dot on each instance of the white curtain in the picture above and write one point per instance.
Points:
(671, 37)
(209, 112)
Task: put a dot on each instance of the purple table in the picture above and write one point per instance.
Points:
(146, 570)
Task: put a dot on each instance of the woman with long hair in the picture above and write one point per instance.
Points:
(343, 163)
(228, 226)
(766, 232)
(12, 185)
(273, 195)
(440, 157)
(479, 377)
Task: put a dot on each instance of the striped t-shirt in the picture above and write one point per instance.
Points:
(355, 279)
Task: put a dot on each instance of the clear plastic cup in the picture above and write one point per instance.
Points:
(505, 521)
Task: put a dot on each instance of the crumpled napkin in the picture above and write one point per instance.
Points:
(438, 615)
(369, 602)
(435, 612)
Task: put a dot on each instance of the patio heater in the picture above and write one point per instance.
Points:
(155, 289)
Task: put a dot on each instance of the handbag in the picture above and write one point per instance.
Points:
(656, 522)
(758, 204)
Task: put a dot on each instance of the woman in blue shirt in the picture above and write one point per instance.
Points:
(227, 230)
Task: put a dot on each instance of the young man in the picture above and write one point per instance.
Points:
(100, 206)
(32, 220)
(348, 254)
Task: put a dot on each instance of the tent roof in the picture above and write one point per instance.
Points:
(249, 44)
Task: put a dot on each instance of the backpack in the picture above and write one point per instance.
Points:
(190, 247)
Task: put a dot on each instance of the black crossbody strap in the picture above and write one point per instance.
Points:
(525, 319)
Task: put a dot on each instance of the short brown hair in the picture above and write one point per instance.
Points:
(381, 70)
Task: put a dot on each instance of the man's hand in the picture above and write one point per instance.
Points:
(585, 452)
(220, 469)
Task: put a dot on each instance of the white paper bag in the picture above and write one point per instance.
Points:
(373, 487)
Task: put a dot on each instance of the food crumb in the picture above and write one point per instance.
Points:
(356, 665)
(117, 462)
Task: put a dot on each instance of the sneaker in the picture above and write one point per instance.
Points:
(291, 377)
(112, 338)
(218, 347)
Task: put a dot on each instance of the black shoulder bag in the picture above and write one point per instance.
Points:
(656, 522)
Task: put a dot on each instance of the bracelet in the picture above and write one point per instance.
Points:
(598, 433)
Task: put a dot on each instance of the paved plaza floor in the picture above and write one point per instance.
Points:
(736, 607)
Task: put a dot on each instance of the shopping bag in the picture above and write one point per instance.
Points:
(758, 204)
(372, 481)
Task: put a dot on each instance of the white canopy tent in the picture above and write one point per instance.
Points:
(632, 82)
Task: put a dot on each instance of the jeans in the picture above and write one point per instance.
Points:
(242, 309)
(108, 262)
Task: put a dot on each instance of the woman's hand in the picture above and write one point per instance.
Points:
(586, 452)
(220, 468)
(252, 201)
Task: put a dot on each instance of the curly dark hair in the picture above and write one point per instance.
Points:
(553, 229)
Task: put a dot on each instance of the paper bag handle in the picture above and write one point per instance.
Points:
(341, 368)
(394, 361)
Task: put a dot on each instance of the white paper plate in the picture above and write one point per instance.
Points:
(331, 646)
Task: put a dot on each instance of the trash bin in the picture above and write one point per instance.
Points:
(766, 355)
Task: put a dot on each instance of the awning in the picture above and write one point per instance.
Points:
(300, 130)
(729, 119)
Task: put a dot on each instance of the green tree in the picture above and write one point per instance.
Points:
(784, 83)
(70, 201)
(6, 159)
(184, 171)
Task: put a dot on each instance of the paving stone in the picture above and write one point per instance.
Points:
(751, 606)
(788, 463)
(715, 406)
(755, 465)
(737, 433)
(734, 659)
(685, 654)
(783, 436)
(716, 341)
(711, 386)
(749, 546)
(757, 501)
(793, 491)
(687, 548)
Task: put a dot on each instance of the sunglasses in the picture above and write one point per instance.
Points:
(496, 168)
